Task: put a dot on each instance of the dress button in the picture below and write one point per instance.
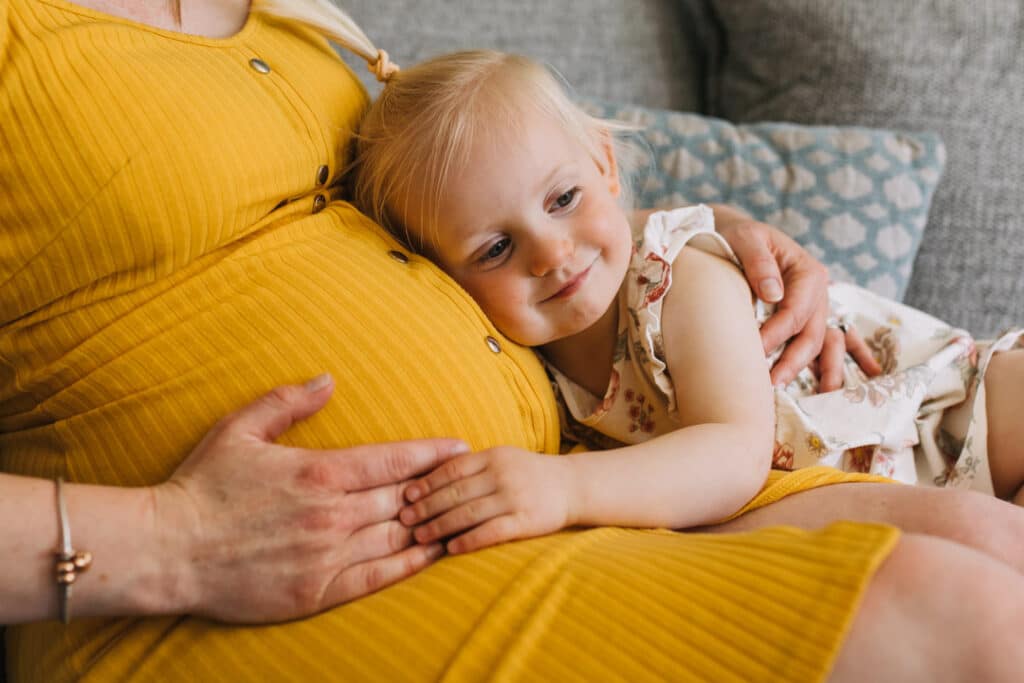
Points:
(259, 65)
(493, 344)
(319, 203)
(398, 256)
(322, 174)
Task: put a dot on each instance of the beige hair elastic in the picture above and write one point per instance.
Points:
(325, 17)
(382, 67)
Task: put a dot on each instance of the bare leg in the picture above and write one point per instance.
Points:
(936, 611)
(987, 524)
(1004, 402)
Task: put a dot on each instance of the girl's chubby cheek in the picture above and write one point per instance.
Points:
(504, 295)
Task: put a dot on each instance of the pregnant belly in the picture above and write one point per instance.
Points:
(407, 348)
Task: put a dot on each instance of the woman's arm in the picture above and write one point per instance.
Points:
(719, 459)
(245, 530)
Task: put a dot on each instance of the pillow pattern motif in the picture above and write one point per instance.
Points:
(856, 198)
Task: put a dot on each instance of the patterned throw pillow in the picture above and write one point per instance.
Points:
(856, 198)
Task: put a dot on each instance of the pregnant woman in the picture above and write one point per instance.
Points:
(174, 244)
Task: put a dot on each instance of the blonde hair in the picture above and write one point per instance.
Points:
(424, 123)
(426, 119)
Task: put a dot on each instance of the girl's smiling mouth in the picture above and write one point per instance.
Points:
(572, 286)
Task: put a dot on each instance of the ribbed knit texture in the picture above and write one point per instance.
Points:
(149, 285)
(161, 264)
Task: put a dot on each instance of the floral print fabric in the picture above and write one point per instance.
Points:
(922, 422)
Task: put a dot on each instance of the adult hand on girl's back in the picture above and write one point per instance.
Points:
(255, 531)
(780, 271)
(490, 497)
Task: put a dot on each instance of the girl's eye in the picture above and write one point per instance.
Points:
(566, 198)
(497, 249)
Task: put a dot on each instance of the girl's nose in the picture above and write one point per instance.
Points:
(550, 254)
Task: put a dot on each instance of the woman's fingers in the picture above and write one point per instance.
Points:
(829, 367)
(753, 244)
(801, 350)
(269, 416)
(770, 257)
(351, 469)
(371, 506)
(861, 352)
(801, 314)
(761, 269)
(375, 541)
(830, 361)
(463, 517)
(364, 467)
(356, 581)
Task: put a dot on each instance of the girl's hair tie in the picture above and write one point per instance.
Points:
(382, 67)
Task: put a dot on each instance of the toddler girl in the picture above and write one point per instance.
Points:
(651, 338)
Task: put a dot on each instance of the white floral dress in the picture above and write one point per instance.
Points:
(922, 421)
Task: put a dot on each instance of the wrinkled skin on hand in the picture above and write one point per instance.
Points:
(780, 271)
(259, 532)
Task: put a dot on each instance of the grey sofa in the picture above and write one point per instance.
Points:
(948, 66)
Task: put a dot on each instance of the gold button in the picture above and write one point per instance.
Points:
(398, 256)
(493, 344)
(322, 174)
(319, 203)
(259, 65)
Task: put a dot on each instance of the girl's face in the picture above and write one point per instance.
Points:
(532, 229)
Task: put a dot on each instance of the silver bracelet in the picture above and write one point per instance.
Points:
(69, 561)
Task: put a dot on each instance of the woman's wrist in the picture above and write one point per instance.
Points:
(177, 586)
(139, 565)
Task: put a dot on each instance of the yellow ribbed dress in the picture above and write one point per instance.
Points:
(172, 244)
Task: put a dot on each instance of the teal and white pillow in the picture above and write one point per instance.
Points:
(856, 198)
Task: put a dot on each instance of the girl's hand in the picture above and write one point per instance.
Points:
(497, 495)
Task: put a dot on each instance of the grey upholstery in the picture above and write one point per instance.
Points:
(625, 50)
(949, 66)
(953, 67)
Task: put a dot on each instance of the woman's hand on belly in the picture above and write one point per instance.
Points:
(257, 532)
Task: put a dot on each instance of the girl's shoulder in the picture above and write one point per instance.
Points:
(658, 246)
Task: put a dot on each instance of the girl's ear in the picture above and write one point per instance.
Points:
(607, 164)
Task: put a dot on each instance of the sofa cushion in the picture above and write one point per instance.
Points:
(944, 65)
(856, 198)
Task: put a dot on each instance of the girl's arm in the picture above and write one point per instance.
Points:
(720, 457)
(698, 474)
